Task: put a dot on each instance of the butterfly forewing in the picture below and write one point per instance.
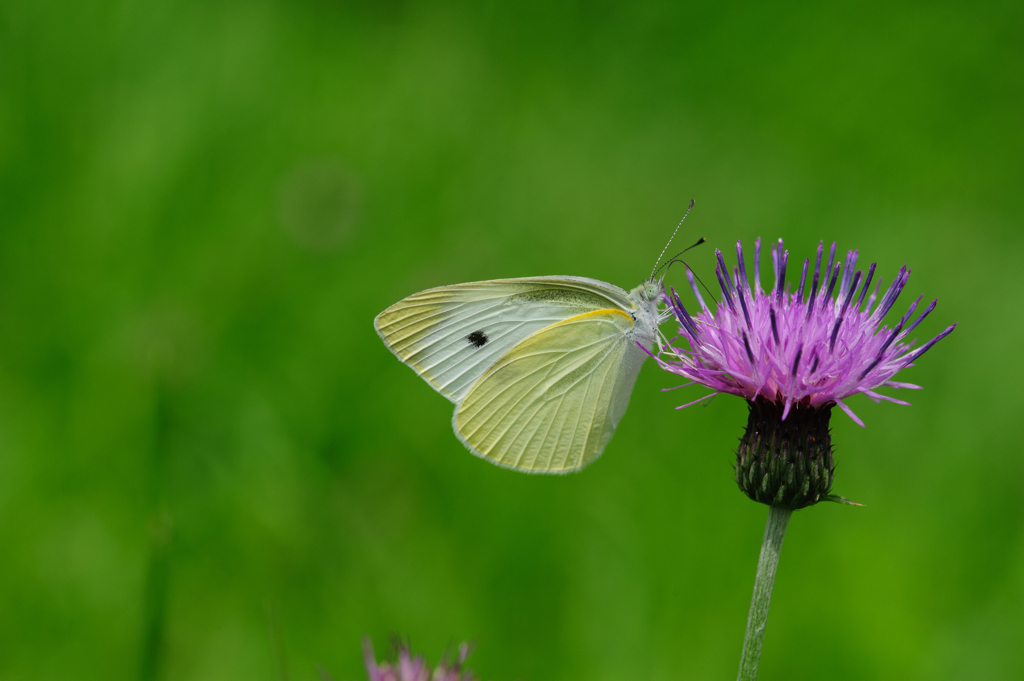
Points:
(552, 402)
(451, 335)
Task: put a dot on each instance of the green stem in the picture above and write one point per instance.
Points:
(774, 533)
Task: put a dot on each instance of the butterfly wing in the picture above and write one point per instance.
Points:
(453, 334)
(552, 402)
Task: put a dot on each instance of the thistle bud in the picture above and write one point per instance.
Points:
(785, 463)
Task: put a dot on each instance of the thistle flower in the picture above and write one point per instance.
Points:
(409, 668)
(793, 356)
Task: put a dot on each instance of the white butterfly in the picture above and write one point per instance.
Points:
(540, 369)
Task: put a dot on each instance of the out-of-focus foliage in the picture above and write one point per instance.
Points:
(211, 468)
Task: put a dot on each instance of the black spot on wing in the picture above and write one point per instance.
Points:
(477, 338)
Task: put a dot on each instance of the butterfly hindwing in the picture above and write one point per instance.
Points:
(552, 402)
(453, 334)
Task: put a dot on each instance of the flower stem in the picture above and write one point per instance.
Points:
(774, 533)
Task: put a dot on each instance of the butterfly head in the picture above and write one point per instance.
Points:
(647, 297)
(651, 290)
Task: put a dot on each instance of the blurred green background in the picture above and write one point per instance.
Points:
(211, 467)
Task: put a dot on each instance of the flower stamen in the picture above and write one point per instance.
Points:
(757, 264)
(725, 273)
(814, 283)
(842, 313)
(803, 280)
(832, 282)
(750, 355)
(891, 295)
(828, 268)
(923, 315)
(742, 266)
(783, 258)
(867, 285)
(743, 304)
(725, 288)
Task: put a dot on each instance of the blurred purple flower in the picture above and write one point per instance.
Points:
(409, 668)
(805, 348)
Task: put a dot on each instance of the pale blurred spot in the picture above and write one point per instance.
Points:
(319, 204)
(166, 344)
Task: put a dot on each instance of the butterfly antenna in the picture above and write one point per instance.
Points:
(673, 259)
(653, 271)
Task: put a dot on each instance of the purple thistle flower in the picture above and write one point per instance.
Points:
(806, 347)
(793, 355)
(410, 668)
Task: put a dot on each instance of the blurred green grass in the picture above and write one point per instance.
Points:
(185, 332)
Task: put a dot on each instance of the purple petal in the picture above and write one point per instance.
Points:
(849, 412)
(876, 397)
(696, 291)
(690, 404)
(757, 265)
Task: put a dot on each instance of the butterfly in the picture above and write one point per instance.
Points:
(540, 369)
